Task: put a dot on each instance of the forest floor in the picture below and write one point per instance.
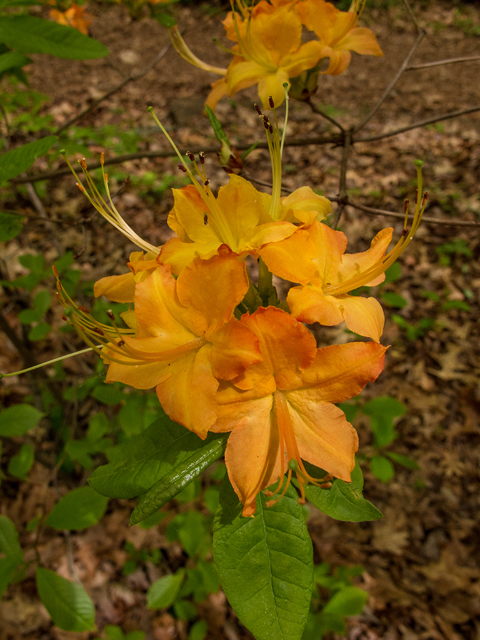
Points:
(422, 561)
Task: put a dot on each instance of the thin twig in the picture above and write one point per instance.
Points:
(401, 216)
(7, 125)
(438, 63)
(342, 191)
(299, 142)
(412, 15)
(125, 81)
(421, 123)
(316, 109)
(392, 84)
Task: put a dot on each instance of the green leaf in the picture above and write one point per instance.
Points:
(20, 464)
(350, 410)
(382, 411)
(190, 528)
(108, 394)
(9, 544)
(19, 419)
(28, 34)
(179, 477)
(343, 501)
(220, 134)
(98, 426)
(136, 465)
(405, 461)
(382, 468)
(67, 602)
(198, 631)
(165, 19)
(12, 59)
(394, 300)
(347, 602)
(42, 302)
(39, 332)
(163, 592)
(10, 226)
(265, 564)
(184, 610)
(15, 162)
(79, 509)
(393, 273)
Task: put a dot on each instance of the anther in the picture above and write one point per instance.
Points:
(270, 128)
(97, 330)
(82, 163)
(182, 168)
(190, 155)
(83, 309)
(406, 206)
(258, 109)
(425, 198)
(102, 158)
(205, 219)
(55, 271)
(120, 343)
(64, 318)
(106, 178)
(206, 183)
(110, 314)
(271, 102)
(201, 157)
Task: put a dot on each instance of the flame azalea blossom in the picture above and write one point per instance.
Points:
(186, 338)
(122, 288)
(280, 410)
(316, 259)
(75, 17)
(268, 52)
(338, 32)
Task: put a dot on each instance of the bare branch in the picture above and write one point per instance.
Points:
(412, 15)
(421, 123)
(401, 216)
(438, 63)
(125, 81)
(342, 191)
(316, 109)
(390, 87)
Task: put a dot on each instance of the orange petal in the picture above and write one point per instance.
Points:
(363, 316)
(324, 437)
(293, 258)
(308, 304)
(189, 213)
(305, 205)
(179, 254)
(219, 90)
(234, 347)
(116, 288)
(213, 287)
(361, 41)
(339, 61)
(355, 263)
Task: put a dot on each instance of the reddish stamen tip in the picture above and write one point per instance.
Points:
(201, 157)
(182, 168)
(64, 318)
(97, 330)
(120, 343)
(206, 183)
(190, 155)
(271, 102)
(80, 186)
(83, 163)
(110, 314)
(83, 309)
(406, 206)
(258, 109)
(405, 232)
(205, 219)
(102, 158)
(55, 271)
(106, 177)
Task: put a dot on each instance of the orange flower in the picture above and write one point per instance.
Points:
(185, 339)
(122, 288)
(75, 17)
(280, 410)
(338, 32)
(268, 52)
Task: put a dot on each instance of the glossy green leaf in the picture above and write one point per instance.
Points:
(382, 468)
(347, 602)
(343, 501)
(67, 602)
(179, 477)
(136, 465)
(10, 226)
(15, 162)
(79, 509)
(29, 34)
(20, 464)
(265, 564)
(18, 420)
(163, 592)
(11, 60)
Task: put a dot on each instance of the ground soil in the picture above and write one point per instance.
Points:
(422, 561)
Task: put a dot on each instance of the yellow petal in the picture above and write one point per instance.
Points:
(233, 348)
(292, 258)
(339, 61)
(363, 316)
(305, 206)
(361, 41)
(355, 263)
(179, 254)
(219, 90)
(189, 213)
(308, 304)
(272, 86)
(245, 73)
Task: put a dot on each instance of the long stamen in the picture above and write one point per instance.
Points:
(45, 364)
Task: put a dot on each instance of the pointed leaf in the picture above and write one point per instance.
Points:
(12, 59)
(67, 602)
(28, 34)
(79, 509)
(17, 420)
(15, 162)
(343, 501)
(163, 592)
(9, 544)
(10, 226)
(179, 477)
(136, 465)
(265, 564)
(20, 464)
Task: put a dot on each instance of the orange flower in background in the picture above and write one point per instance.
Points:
(75, 17)
(280, 410)
(186, 338)
(338, 32)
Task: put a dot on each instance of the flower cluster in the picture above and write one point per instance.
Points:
(75, 17)
(225, 354)
(269, 51)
